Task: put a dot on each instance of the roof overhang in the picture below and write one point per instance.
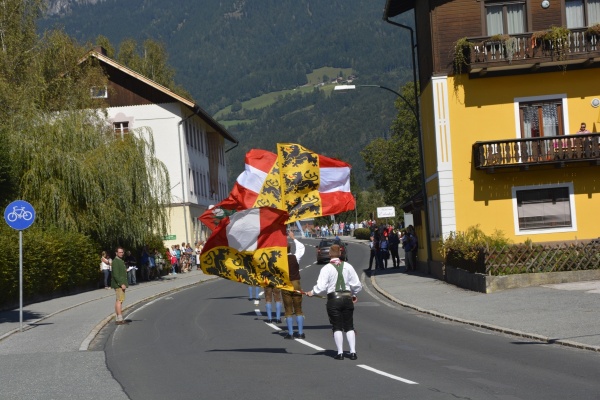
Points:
(195, 108)
(397, 7)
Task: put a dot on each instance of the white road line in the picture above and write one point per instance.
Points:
(274, 326)
(386, 374)
(304, 342)
(258, 313)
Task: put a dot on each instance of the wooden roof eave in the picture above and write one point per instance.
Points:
(195, 108)
(397, 7)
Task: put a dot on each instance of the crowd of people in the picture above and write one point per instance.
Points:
(385, 242)
(151, 263)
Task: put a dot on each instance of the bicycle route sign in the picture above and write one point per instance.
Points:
(19, 215)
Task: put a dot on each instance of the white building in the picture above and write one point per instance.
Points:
(188, 141)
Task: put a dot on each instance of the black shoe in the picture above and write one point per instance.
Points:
(250, 299)
(277, 321)
(353, 356)
(288, 336)
(299, 335)
(339, 356)
(269, 321)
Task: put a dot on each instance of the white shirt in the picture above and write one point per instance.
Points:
(328, 278)
(300, 249)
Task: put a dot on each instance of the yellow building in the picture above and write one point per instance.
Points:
(505, 87)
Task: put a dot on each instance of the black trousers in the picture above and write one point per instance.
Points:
(341, 313)
(371, 259)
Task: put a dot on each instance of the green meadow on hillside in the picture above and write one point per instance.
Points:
(268, 99)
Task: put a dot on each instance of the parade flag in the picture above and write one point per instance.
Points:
(257, 186)
(249, 246)
(312, 185)
(297, 180)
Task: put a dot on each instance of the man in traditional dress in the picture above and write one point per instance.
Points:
(340, 281)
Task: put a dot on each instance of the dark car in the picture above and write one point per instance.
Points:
(323, 250)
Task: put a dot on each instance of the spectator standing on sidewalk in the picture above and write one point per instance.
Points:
(145, 264)
(373, 253)
(340, 281)
(119, 283)
(393, 243)
(292, 301)
(105, 268)
(130, 262)
(411, 247)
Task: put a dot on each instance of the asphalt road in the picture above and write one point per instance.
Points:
(210, 342)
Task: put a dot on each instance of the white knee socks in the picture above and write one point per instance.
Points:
(351, 336)
(338, 337)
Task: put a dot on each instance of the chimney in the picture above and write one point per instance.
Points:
(100, 49)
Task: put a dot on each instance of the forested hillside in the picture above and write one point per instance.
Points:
(228, 51)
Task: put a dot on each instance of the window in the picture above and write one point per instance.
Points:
(543, 209)
(99, 93)
(121, 127)
(582, 13)
(541, 118)
(434, 217)
(505, 17)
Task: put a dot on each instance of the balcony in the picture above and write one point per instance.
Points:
(525, 153)
(530, 51)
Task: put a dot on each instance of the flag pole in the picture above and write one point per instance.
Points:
(314, 295)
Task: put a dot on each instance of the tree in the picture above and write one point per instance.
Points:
(393, 164)
(152, 63)
(58, 152)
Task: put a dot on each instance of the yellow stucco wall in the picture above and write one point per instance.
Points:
(483, 109)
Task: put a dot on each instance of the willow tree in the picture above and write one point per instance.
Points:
(63, 156)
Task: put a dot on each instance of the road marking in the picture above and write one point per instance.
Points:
(304, 342)
(258, 313)
(386, 374)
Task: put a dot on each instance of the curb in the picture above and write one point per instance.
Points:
(86, 342)
(513, 332)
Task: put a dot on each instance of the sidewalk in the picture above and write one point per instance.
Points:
(49, 359)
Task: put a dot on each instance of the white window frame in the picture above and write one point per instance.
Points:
(572, 228)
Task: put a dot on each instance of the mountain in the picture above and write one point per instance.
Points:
(226, 52)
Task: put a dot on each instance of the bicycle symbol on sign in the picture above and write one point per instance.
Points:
(18, 213)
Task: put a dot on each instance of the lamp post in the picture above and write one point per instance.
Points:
(389, 12)
(415, 111)
(352, 87)
(355, 210)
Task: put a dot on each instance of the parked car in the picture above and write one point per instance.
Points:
(323, 250)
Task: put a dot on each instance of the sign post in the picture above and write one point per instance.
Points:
(20, 215)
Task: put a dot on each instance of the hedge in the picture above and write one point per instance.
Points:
(55, 263)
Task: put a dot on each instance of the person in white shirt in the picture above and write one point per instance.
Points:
(340, 281)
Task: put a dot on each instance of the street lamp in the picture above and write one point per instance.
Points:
(415, 111)
(355, 210)
(352, 87)
(390, 10)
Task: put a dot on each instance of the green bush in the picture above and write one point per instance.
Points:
(362, 233)
(469, 244)
(54, 262)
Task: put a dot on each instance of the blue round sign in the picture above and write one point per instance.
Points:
(19, 215)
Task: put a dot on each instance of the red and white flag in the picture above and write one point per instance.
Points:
(257, 186)
(250, 247)
(297, 180)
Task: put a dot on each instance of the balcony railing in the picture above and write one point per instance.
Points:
(523, 153)
(526, 51)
